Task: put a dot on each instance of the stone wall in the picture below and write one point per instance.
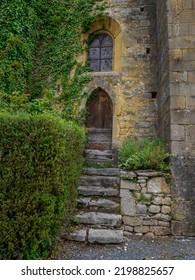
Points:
(176, 100)
(163, 71)
(132, 83)
(154, 56)
(146, 203)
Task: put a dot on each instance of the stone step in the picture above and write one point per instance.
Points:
(103, 219)
(100, 181)
(99, 162)
(99, 136)
(99, 146)
(99, 130)
(105, 236)
(78, 235)
(102, 236)
(98, 204)
(97, 191)
(100, 171)
(97, 154)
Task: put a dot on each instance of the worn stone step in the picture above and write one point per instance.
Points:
(99, 136)
(99, 130)
(99, 146)
(103, 219)
(100, 181)
(99, 162)
(78, 235)
(97, 154)
(100, 171)
(98, 204)
(97, 191)
(104, 236)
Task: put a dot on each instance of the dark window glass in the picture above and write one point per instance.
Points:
(100, 53)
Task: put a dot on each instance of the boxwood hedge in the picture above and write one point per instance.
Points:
(40, 161)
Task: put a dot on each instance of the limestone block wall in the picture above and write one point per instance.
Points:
(146, 203)
(132, 83)
(176, 101)
(163, 71)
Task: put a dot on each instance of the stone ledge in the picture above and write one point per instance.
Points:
(105, 74)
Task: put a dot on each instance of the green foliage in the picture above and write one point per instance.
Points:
(143, 154)
(144, 198)
(40, 41)
(134, 180)
(18, 102)
(40, 162)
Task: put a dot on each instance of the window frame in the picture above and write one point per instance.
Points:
(102, 61)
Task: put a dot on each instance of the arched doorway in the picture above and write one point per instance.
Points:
(100, 120)
(100, 111)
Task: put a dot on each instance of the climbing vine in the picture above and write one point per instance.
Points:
(40, 42)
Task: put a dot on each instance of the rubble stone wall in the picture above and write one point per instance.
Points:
(146, 203)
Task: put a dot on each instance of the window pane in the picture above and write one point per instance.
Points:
(106, 65)
(95, 65)
(106, 52)
(94, 53)
(101, 53)
(101, 37)
(107, 41)
(95, 43)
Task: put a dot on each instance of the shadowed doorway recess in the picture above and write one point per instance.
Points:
(100, 110)
(99, 127)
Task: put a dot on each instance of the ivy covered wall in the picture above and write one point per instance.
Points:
(39, 43)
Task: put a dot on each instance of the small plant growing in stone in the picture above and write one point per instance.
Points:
(75, 220)
(144, 198)
(134, 180)
(136, 194)
(143, 154)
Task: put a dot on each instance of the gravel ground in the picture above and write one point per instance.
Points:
(136, 248)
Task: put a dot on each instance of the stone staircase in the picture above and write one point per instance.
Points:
(99, 219)
(98, 150)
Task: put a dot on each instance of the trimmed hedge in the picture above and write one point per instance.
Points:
(40, 162)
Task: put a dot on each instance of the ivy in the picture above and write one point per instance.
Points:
(39, 43)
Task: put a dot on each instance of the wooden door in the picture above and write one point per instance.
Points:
(100, 110)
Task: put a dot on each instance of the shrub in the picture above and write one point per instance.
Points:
(143, 154)
(40, 161)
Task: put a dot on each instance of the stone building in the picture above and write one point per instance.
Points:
(142, 57)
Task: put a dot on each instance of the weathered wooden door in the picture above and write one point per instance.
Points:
(100, 111)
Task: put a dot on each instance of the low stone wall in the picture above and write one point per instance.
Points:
(145, 203)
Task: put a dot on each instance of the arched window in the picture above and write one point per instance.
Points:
(101, 53)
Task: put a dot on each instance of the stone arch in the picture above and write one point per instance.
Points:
(98, 83)
(101, 81)
(107, 24)
(110, 26)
